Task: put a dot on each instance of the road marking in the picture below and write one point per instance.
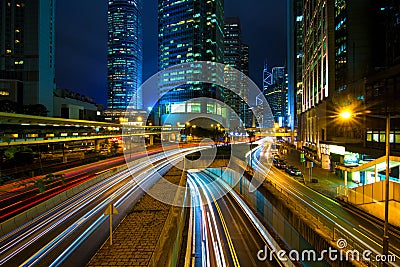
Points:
(325, 210)
(228, 236)
(373, 241)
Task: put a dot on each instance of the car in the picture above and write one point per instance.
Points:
(280, 164)
(294, 171)
(276, 156)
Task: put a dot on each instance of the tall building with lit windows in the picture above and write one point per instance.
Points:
(276, 93)
(295, 57)
(189, 31)
(125, 54)
(344, 45)
(236, 55)
(27, 52)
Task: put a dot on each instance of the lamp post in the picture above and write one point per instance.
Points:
(347, 115)
(386, 225)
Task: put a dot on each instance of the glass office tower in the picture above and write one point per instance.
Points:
(125, 54)
(189, 31)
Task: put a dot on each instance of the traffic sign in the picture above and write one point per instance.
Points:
(110, 211)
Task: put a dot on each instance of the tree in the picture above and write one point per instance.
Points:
(9, 106)
(36, 110)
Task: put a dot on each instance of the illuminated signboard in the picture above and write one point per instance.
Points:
(351, 158)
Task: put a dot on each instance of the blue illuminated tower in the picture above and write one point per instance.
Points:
(125, 54)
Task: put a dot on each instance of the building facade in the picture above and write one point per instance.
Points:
(27, 52)
(125, 54)
(236, 55)
(71, 105)
(350, 63)
(295, 57)
(189, 31)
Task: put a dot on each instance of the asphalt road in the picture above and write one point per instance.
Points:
(347, 224)
(226, 235)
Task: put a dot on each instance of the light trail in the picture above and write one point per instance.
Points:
(203, 186)
(315, 204)
(26, 235)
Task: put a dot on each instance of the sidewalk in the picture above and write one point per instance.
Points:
(327, 181)
(136, 238)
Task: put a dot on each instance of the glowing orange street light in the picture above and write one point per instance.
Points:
(346, 115)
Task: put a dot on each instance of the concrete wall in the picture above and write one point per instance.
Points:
(371, 198)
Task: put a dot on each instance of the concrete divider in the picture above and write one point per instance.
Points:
(169, 244)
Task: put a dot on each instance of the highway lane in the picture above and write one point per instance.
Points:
(77, 211)
(347, 224)
(224, 233)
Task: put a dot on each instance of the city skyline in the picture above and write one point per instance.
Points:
(309, 175)
(89, 77)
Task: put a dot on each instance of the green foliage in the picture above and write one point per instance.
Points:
(9, 106)
(36, 110)
(19, 153)
(6, 139)
(10, 152)
(39, 183)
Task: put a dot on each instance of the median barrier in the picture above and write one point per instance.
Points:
(168, 248)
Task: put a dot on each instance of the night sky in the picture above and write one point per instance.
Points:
(81, 36)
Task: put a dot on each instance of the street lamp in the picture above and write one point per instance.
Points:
(347, 115)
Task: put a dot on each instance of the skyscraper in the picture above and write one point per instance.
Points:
(236, 55)
(125, 54)
(295, 57)
(188, 31)
(27, 54)
(277, 96)
(343, 54)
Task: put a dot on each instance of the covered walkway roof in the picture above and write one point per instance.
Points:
(13, 118)
(380, 164)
